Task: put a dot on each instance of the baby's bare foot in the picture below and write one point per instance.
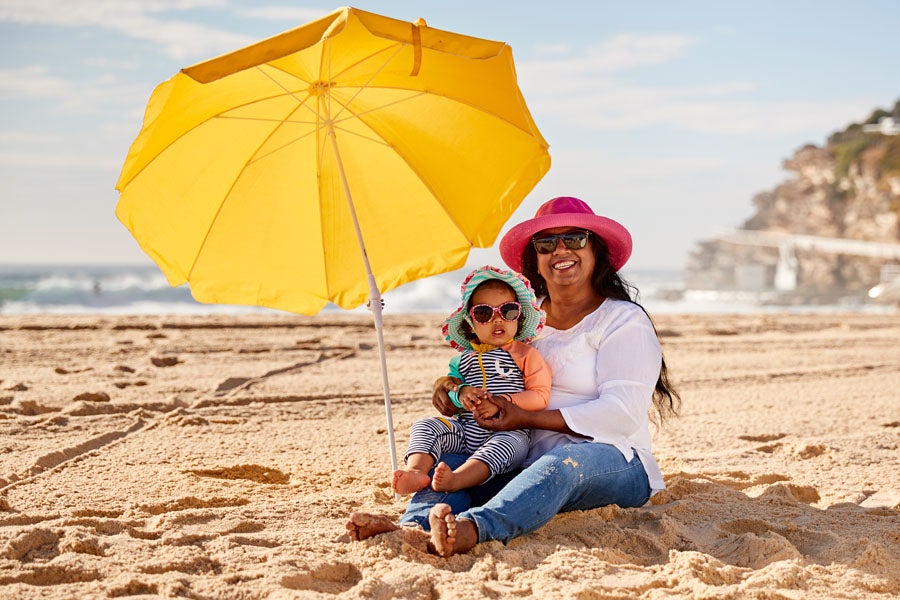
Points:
(444, 479)
(443, 529)
(364, 525)
(409, 482)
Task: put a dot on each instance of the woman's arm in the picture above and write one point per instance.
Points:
(627, 363)
(510, 416)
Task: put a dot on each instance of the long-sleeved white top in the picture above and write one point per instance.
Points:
(605, 369)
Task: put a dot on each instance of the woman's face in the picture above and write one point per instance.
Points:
(564, 267)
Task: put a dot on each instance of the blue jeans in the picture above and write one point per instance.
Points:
(571, 477)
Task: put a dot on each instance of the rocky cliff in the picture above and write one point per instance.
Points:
(847, 190)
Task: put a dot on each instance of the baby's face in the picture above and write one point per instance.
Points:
(497, 330)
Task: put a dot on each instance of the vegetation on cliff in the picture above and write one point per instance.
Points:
(852, 144)
(847, 189)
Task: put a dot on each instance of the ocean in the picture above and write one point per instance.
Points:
(143, 290)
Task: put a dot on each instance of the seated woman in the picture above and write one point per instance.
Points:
(591, 447)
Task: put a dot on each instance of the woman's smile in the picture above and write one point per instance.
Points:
(562, 265)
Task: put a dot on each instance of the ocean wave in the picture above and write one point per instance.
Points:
(143, 290)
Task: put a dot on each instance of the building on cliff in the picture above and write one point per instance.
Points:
(831, 230)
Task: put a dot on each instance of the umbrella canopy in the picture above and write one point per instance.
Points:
(239, 179)
(331, 162)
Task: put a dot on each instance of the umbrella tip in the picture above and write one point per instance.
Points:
(420, 22)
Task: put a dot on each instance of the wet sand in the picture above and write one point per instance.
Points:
(218, 457)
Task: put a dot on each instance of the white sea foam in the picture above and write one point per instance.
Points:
(143, 290)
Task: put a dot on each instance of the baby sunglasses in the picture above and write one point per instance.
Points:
(575, 240)
(484, 313)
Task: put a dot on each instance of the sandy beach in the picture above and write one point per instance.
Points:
(218, 457)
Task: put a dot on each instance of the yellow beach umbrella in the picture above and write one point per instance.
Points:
(330, 163)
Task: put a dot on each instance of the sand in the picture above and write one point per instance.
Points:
(218, 457)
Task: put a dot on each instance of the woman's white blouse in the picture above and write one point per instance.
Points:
(605, 369)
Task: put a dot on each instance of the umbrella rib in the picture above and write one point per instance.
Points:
(258, 157)
(212, 223)
(377, 108)
(222, 115)
(413, 169)
(344, 107)
(399, 48)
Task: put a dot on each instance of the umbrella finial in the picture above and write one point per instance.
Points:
(417, 45)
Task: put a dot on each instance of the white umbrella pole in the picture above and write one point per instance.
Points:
(374, 301)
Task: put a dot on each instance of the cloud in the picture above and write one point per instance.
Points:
(618, 53)
(612, 106)
(181, 40)
(44, 160)
(31, 82)
(590, 90)
(105, 95)
(560, 48)
(67, 13)
(290, 14)
(106, 63)
(28, 137)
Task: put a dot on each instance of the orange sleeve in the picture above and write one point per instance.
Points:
(537, 376)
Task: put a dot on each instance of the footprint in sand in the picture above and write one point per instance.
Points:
(43, 576)
(769, 448)
(789, 493)
(811, 450)
(191, 561)
(766, 437)
(34, 544)
(124, 384)
(80, 542)
(191, 502)
(330, 578)
(164, 361)
(752, 550)
(256, 473)
(132, 588)
(92, 397)
(30, 408)
(62, 371)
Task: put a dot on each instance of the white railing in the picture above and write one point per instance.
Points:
(811, 242)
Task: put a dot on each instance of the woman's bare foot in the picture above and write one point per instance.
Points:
(449, 536)
(364, 525)
(409, 482)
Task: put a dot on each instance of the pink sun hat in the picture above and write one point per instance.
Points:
(566, 211)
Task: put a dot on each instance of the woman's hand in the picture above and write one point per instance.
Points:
(440, 400)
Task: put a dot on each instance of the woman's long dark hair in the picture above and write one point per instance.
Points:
(609, 284)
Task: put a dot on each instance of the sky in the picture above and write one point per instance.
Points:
(665, 116)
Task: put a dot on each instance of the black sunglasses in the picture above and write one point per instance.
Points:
(572, 241)
(483, 313)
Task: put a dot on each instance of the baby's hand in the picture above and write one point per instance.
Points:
(486, 410)
(470, 396)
